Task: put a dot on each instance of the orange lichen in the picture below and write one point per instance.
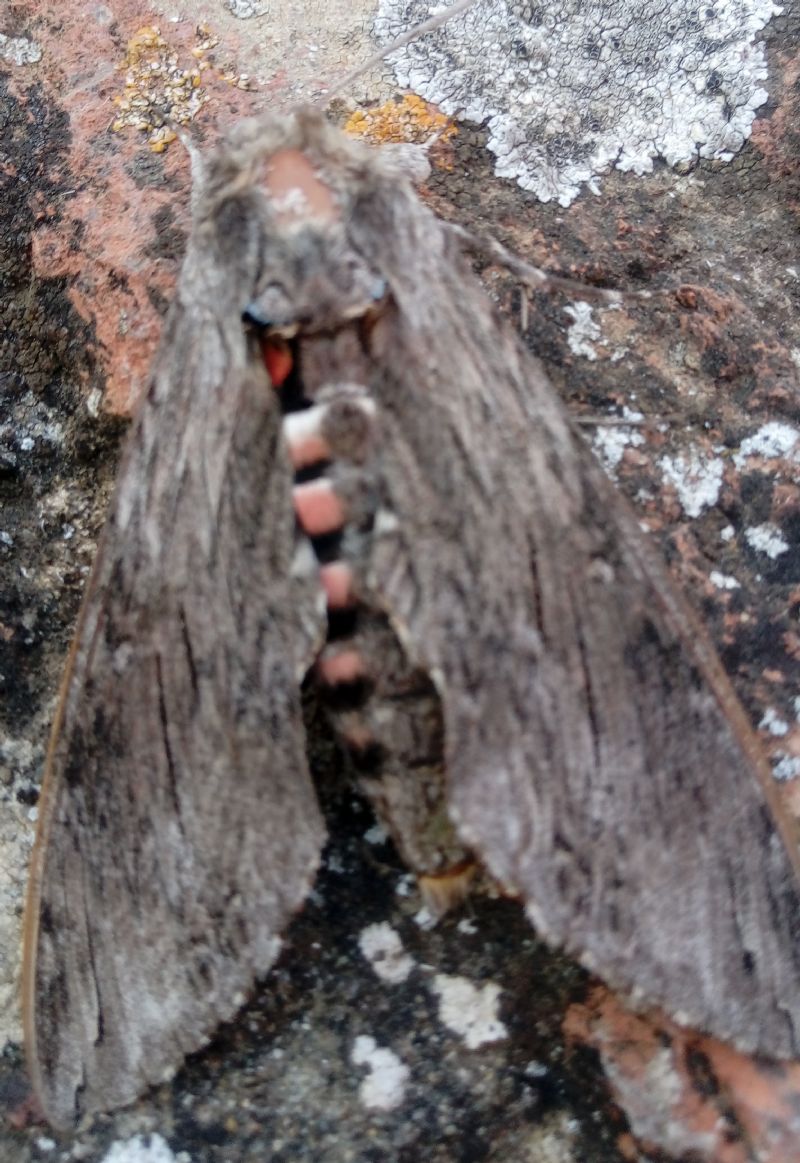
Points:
(408, 120)
(158, 92)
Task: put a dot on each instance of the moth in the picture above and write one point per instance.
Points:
(347, 465)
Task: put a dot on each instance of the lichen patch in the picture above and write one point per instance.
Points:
(569, 90)
(469, 1010)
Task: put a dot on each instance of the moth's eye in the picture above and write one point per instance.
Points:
(253, 314)
(271, 308)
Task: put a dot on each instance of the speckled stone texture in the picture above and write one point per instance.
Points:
(350, 1050)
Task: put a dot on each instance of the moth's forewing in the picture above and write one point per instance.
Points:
(179, 829)
(598, 759)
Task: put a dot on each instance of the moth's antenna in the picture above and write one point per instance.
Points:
(197, 162)
(427, 26)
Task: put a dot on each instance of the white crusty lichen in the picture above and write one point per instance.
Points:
(144, 1149)
(469, 1010)
(584, 333)
(696, 478)
(786, 767)
(382, 947)
(609, 442)
(773, 440)
(570, 89)
(385, 1085)
(245, 9)
(767, 539)
(19, 50)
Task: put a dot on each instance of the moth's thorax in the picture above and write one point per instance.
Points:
(384, 708)
(309, 275)
(295, 191)
(341, 357)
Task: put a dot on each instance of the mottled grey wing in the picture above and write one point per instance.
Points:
(179, 829)
(598, 760)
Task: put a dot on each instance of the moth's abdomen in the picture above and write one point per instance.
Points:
(389, 717)
(384, 709)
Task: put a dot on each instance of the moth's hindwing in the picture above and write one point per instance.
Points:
(179, 829)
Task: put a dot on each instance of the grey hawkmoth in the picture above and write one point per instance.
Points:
(347, 465)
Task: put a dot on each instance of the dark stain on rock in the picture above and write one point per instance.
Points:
(158, 299)
(169, 240)
(53, 455)
(147, 170)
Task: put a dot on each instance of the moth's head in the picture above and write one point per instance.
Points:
(281, 204)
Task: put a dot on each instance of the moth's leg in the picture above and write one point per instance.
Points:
(532, 276)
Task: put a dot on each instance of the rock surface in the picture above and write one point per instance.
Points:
(350, 1050)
